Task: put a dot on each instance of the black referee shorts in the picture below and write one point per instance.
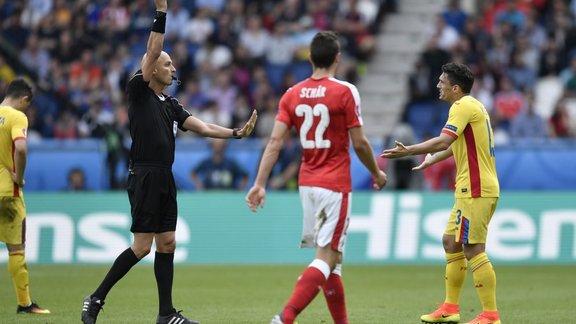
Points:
(152, 194)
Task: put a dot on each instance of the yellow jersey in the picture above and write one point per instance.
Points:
(13, 127)
(473, 149)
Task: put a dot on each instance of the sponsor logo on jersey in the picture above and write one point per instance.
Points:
(451, 127)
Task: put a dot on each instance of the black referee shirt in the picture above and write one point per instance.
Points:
(153, 123)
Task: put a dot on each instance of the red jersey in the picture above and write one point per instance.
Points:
(322, 111)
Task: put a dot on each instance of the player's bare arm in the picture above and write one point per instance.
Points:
(433, 145)
(155, 41)
(364, 152)
(431, 159)
(215, 131)
(257, 194)
(20, 155)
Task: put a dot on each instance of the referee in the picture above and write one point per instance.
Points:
(154, 121)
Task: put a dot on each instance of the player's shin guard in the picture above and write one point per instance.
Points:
(335, 298)
(307, 287)
(455, 275)
(19, 272)
(484, 281)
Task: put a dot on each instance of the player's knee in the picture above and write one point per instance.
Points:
(141, 251)
(166, 247)
(450, 245)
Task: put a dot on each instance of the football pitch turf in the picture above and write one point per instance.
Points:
(253, 294)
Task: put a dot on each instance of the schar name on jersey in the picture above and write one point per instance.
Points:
(318, 92)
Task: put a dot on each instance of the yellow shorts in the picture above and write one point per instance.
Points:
(12, 220)
(469, 219)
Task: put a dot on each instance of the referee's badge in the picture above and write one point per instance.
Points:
(175, 128)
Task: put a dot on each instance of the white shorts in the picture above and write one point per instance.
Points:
(326, 217)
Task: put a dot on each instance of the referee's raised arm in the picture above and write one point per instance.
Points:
(155, 41)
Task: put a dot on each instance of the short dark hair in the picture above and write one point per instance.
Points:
(19, 88)
(460, 75)
(324, 48)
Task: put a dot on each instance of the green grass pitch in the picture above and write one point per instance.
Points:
(253, 294)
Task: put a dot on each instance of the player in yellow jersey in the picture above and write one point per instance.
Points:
(13, 152)
(467, 136)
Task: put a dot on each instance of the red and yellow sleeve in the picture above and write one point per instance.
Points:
(20, 127)
(458, 118)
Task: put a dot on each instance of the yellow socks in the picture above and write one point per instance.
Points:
(484, 281)
(19, 271)
(455, 276)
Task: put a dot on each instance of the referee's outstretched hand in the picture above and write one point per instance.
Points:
(249, 127)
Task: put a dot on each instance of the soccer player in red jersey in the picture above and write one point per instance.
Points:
(326, 113)
(467, 136)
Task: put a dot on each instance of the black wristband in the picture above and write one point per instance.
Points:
(235, 133)
(159, 25)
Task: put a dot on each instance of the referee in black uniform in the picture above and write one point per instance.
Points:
(154, 121)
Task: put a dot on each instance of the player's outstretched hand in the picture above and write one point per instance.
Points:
(380, 180)
(249, 127)
(161, 5)
(426, 163)
(256, 197)
(399, 151)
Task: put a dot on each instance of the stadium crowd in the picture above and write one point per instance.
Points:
(230, 56)
(523, 53)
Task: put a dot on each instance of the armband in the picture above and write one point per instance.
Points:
(159, 25)
(235, 133)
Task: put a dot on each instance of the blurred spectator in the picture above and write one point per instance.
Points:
(66, 125)
(483, 90)
(213, 115)
(523, 78)
(510, 14)
(255, 38)
(560, 121)
(284, 175)
(455, 16)
(35, 57)
(528, 124)
(85, 74)
(354, 26)
(193, 99)
(224, 93)
(508, 103)
(177, 19)
(212, 56)
(76, 180)
(568, 75)
(219, 171)
(433, 58)
(446, 36)
(419, 83)
(200, 27)
(267, 116)
(115, 17)
(34, 12)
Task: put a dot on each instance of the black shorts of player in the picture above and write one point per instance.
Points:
(152, 195)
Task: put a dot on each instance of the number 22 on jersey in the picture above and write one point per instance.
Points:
(308, 112)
